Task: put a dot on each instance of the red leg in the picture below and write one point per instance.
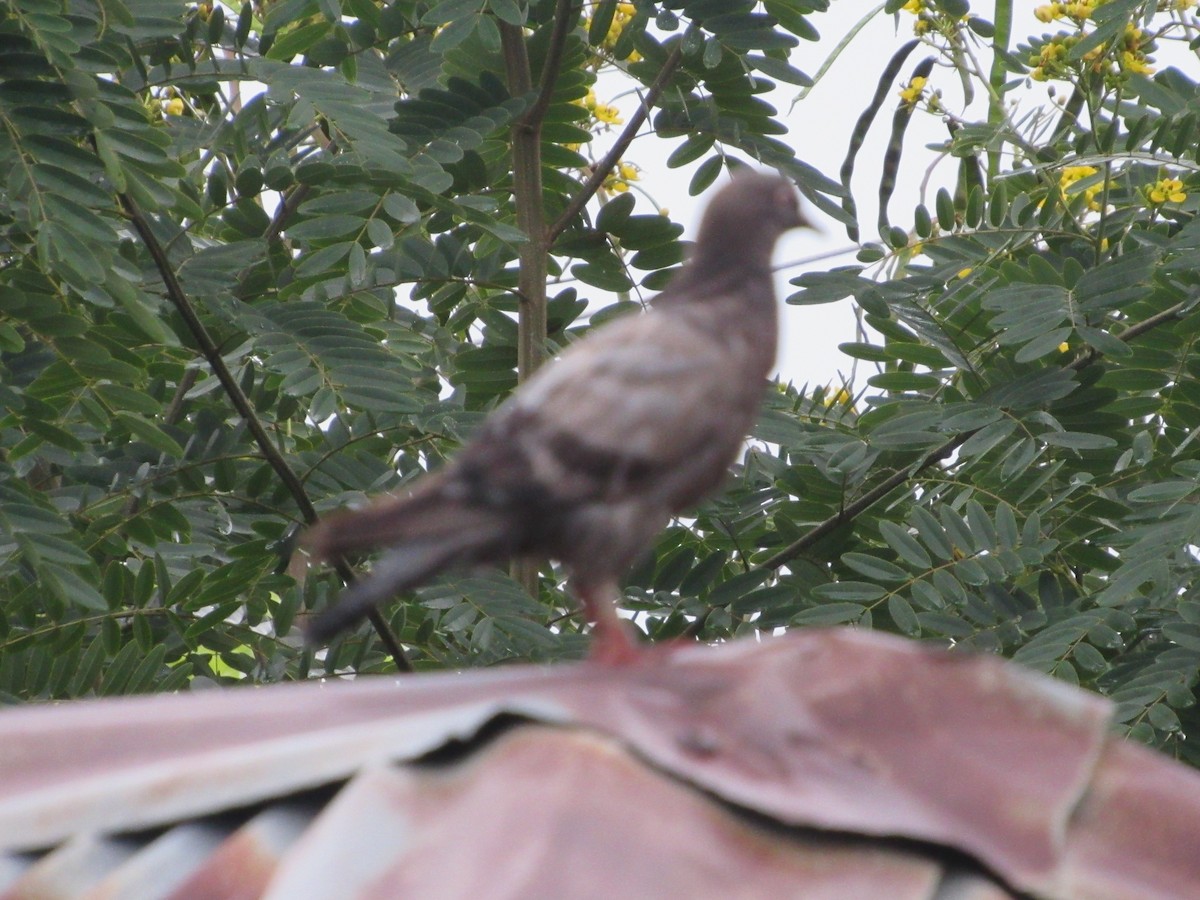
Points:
(613, 643)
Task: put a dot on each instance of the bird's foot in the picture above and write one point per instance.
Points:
(614, 645)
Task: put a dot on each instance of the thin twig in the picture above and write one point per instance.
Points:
(1140, 328)
(288, 205)
(602, 168)
(862, 504)
(564, 16)
(241, 403)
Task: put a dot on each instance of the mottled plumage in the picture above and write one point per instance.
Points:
(590, 458)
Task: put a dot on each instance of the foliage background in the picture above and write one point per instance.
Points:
(224, 310)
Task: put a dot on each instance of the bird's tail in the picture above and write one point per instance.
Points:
(427, 532)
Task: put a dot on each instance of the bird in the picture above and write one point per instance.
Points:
(590, 458)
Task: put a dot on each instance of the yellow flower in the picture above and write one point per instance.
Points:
(963, 273)
(622, 16)
(1049, 12)
(914, 6)
(1051, 60)
(1054, 51)
(174, 107)
(1064, 347)
(1072, 174)
(1166, 190)
(608, 115)
(601, 112)
(1081, 10)
(839, 398)
(1135, 62)
(618, 181)
(911, 94)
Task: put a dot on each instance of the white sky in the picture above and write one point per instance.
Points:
(820, 131)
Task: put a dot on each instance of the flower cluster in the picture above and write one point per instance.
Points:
(1072, 174)
(1133, 52)
(1079, 10)
(915, 90)
(1165, 190)
(1053, 61)
(166, 103)
(605, 115)
(929, 18)
(621, 18)
(1082, 10)
(602, 113)
(618, 182)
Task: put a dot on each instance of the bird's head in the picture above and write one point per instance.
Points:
(746, 217)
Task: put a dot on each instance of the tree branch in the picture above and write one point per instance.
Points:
(862, 504)
(533, 254)
(601, 170)
(241, 403)
(527, 195)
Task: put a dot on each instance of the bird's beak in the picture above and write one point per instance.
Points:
(800, 220)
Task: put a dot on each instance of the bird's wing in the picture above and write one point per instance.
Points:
(649, 404)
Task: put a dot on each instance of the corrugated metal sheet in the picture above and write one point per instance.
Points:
(825, 764)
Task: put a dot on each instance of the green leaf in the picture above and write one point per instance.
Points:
(705, 175)
(868, 352)
(904, 381)
(602, 19)
(1075, 440)
(615, 212)
(778, 69)
(144, 430)
(848, 590)
(873, 567)
(1104, 342)
(905, 545)
(903, 615)
(71, 587)
(829, 614)
(1163, 492)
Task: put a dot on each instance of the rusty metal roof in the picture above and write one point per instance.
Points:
(825, 764)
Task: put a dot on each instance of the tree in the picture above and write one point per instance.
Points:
(227, 309)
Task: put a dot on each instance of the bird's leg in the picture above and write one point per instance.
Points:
(613, 643)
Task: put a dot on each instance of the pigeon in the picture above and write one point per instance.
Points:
(594, 454)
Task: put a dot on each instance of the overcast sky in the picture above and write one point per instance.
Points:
(820, 131)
